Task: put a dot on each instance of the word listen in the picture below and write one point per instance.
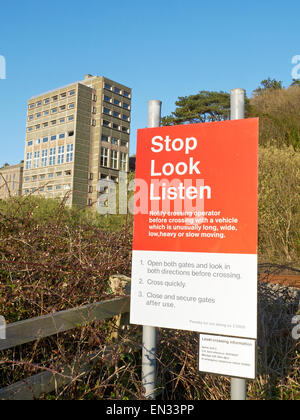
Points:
(168, 169)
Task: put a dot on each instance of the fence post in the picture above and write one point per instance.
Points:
(237, 108)
(150, 333)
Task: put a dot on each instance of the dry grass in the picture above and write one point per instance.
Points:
(279, 205)
(279, 113)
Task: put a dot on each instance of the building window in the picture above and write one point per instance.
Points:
(29, 160)
(38, 141)
(30, 143)
(26, 191)
(71, 133)
(37, 127)
(72, 93)
(114, 141)
(125, 130)
(43, 176)
(55, 98)
(116, 114)
(60, 155)
(50, 188)
(54, 110)
(47, 101)
(34, 178)
(125, 106)
(38, 115)
(52, 156)
(58, 187)
(126, 94)
(30, 117)
(124, 143)
(53, 138)
(53, 122)
(36, 163)
(104, 138)
(71, 106)
(104, 157)
(114, 159)
(63, 95)
(62, 120)
(31, 106)
(62, 108)
(62, 136)
(46, 113)
(39, 103)
(106, 123)
(70, 149)
(125, 117)
(106, 111)
(107, 98)
(50, 176)
(45, 139)
(107, 86)
(117, 90)
(123, 162)
(30, 128)
(71, 118)
(44, 158)
(27, 179)
(116, 127)
(116, 102)
(45, 125)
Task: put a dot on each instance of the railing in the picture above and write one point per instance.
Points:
(46, 326)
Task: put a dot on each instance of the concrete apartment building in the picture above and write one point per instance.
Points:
(75, 136)
(11, 179)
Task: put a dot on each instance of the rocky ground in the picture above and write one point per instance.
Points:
(277, 307)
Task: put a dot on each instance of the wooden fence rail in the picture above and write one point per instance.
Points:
(36, 328)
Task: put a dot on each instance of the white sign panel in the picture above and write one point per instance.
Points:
(227, 356)
(196, 292)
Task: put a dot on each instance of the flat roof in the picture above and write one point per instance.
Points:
(84, 81)
(60, 88)
(18, 165)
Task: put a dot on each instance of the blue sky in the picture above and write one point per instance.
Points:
(162, 49)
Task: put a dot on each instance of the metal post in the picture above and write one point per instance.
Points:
(154, 113)
(150, 333)
(237, 105)
(238, 389)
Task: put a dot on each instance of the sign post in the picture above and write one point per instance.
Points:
(150, 333)
(237, 106)
(195, 233)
